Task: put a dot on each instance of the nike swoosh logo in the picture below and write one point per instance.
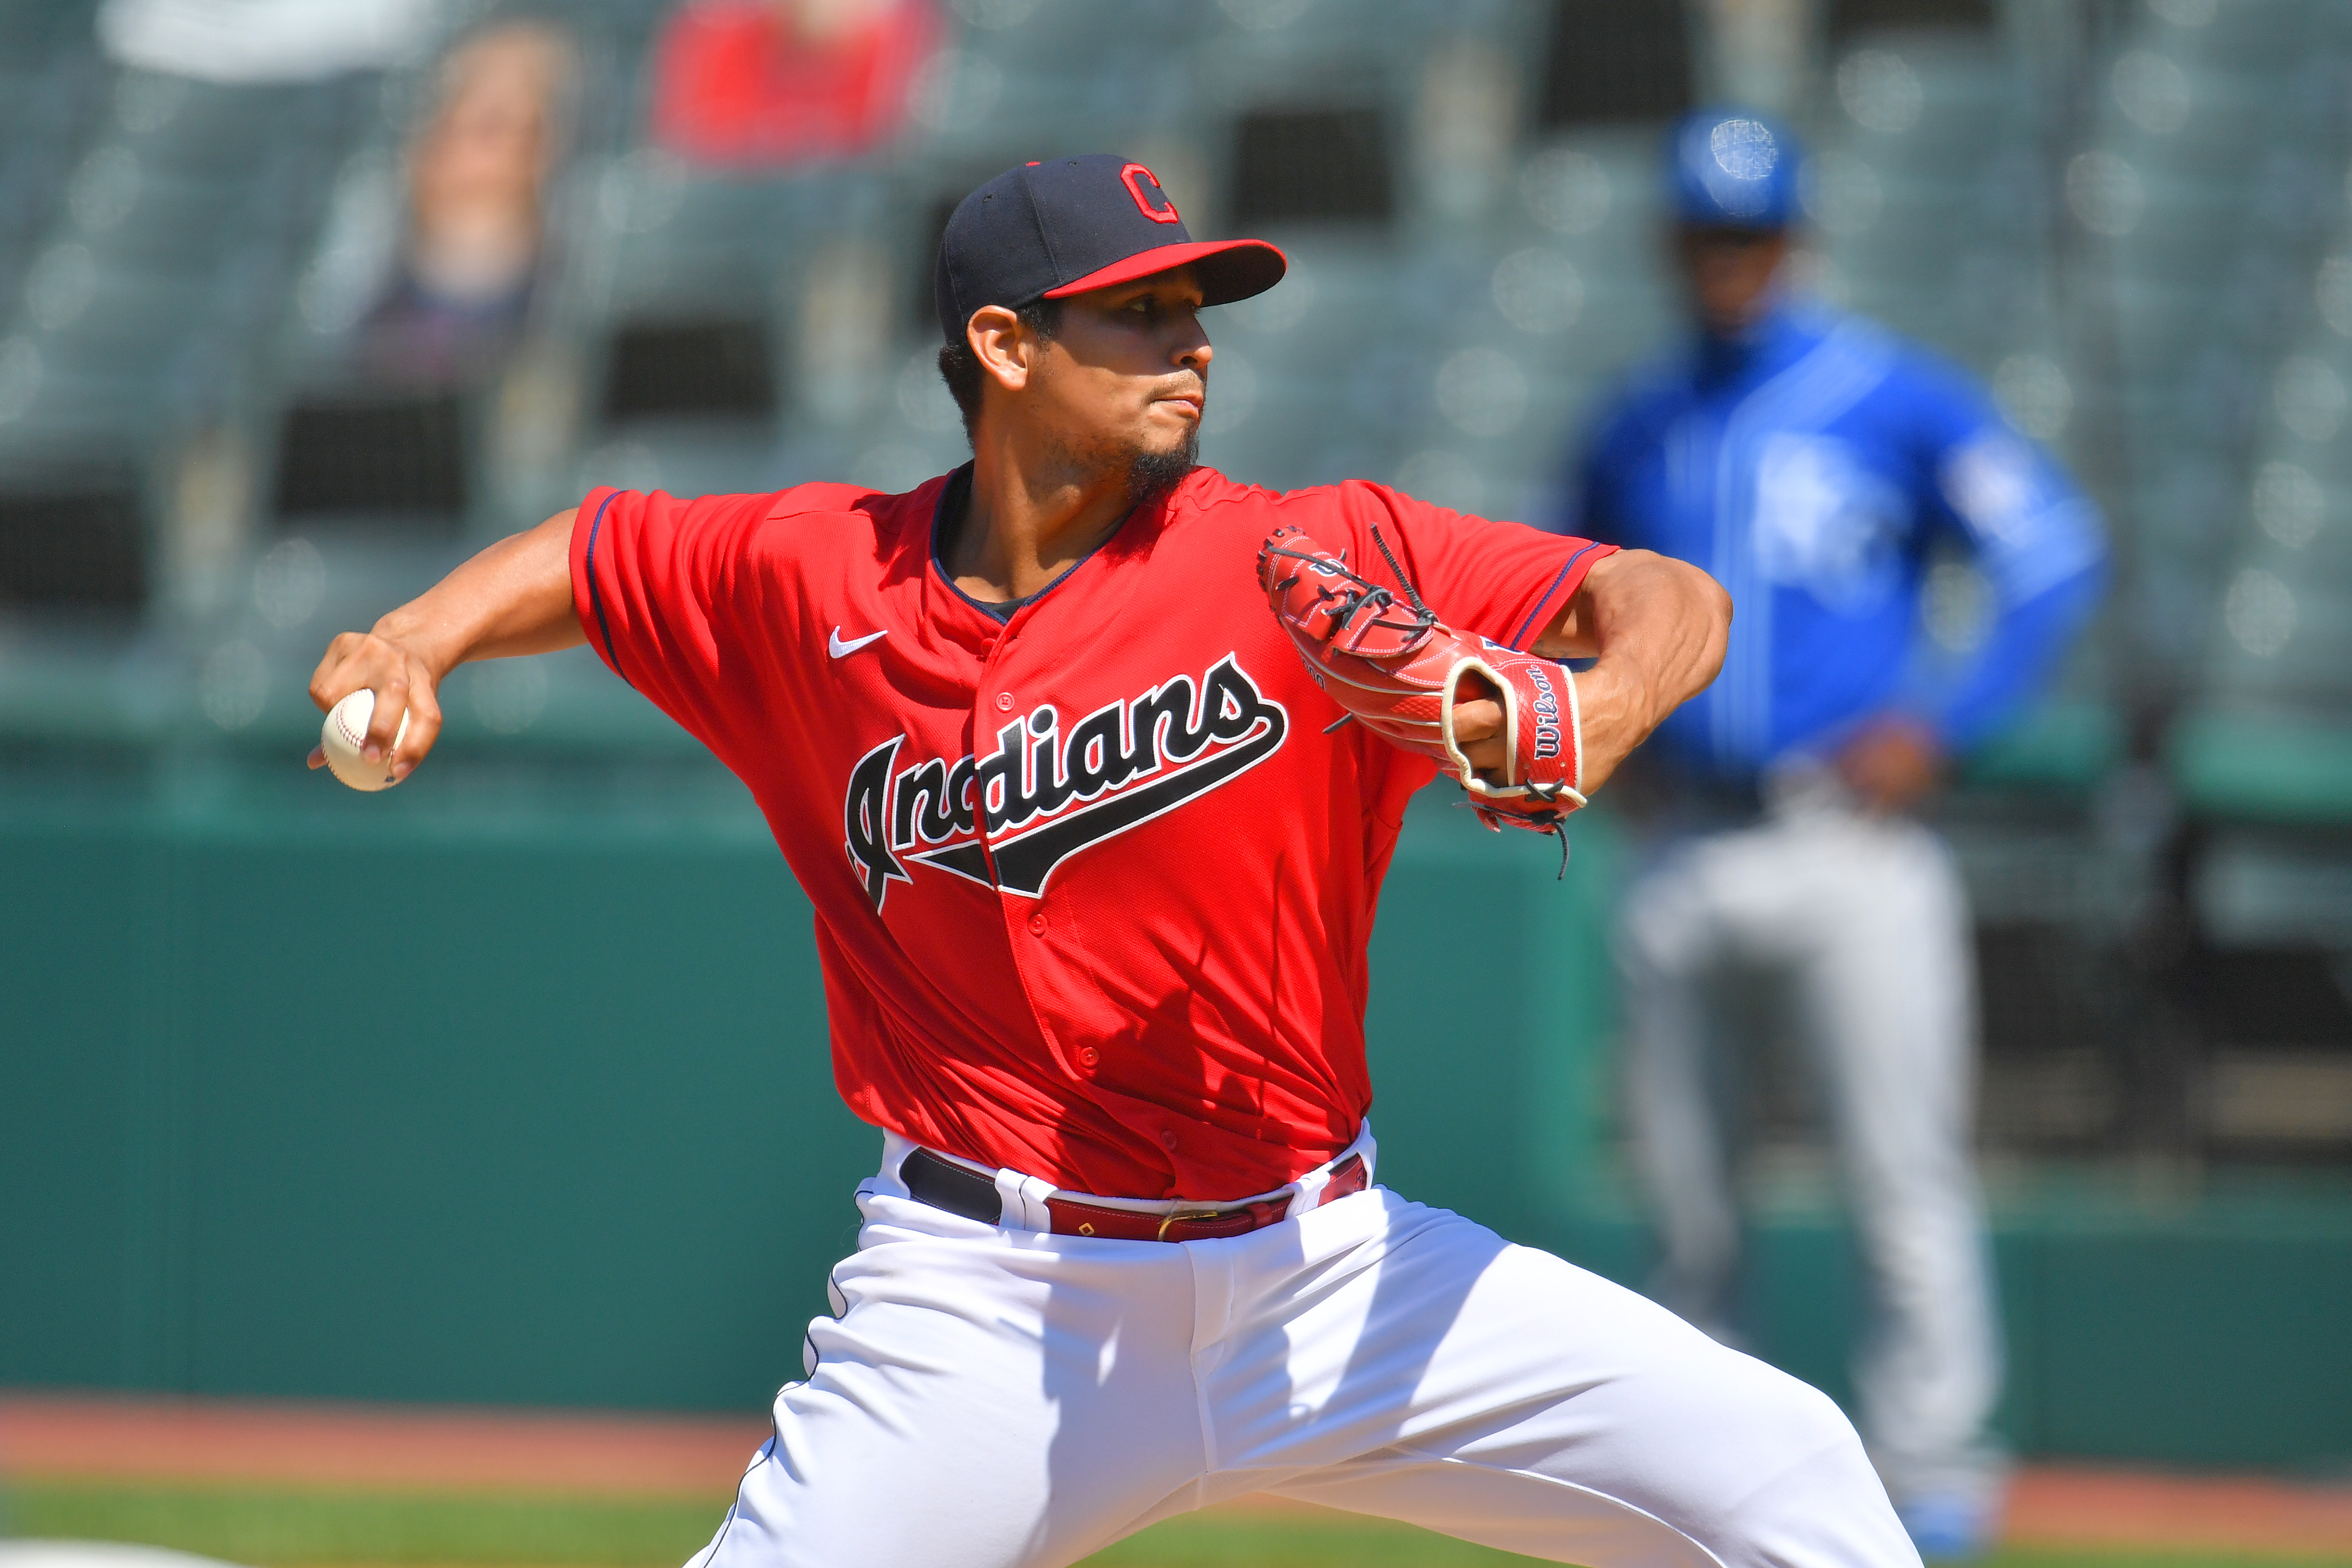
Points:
(840, 649)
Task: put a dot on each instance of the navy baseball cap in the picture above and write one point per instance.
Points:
(1068, 224)
(1733, 168)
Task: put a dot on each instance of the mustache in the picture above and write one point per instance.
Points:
(1182, 382)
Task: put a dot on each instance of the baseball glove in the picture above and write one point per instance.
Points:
(1401, 671)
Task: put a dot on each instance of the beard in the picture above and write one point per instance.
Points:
(1151, 475)
(1145, 474)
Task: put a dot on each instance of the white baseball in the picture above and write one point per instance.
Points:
(345, 732)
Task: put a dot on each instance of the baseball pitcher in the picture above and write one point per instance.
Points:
(1091, 761)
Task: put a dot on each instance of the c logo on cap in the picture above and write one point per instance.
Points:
(1165, 212)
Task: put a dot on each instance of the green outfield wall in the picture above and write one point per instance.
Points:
(514, 1089)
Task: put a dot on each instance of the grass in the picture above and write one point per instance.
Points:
(268, 1528)
(288, 1529)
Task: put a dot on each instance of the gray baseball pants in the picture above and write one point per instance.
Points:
(1865, 922)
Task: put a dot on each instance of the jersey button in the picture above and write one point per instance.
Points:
(1004, 702)
(1089, 1055)
(1037, 923)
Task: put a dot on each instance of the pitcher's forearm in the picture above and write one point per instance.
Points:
(513, 598)
(1657, 629)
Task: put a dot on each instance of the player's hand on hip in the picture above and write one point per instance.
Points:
(403, 683)
(1894, 763)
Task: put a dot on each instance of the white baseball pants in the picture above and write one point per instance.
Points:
(986, 1397)
(1866, 917)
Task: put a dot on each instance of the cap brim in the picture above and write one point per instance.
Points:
(1228, 269)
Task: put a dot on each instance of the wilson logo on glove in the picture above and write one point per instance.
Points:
(1547, 714)
(1402, 674)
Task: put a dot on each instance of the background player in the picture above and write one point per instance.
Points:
(1811, 461)
(1094, 876)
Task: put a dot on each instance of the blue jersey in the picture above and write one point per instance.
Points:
(1812, 467)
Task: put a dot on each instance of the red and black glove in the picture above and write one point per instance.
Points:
(1401, 671)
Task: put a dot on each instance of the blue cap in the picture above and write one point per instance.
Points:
(1065, 225)
(1733, 168)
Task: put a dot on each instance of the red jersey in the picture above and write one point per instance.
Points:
(1093, 885)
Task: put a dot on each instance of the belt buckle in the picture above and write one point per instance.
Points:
(1175, 1215)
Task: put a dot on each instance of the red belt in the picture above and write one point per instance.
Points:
(943, 1184)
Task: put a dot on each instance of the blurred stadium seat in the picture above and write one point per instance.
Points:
(1848, 18)
(1311, 165)
(368, 458)
(1608, 61)
(81, 548)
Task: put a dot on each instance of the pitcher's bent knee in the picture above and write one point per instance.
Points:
(1770, 1472)
(1817, 1502)
(1802, 1420)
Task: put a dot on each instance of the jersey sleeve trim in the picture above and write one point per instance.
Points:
(595, 593)
(1569, 577)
